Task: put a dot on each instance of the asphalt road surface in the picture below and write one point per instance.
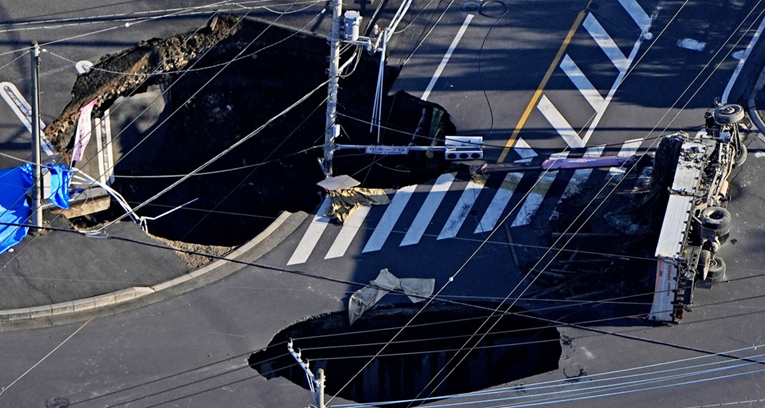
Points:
(621, 74)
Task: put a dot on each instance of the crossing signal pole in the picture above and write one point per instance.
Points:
(332, 130)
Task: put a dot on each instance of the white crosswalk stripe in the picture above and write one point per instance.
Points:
(537, 194)
(461, 210)
(428, 209)
(577, 181)
(312, 235)
(348, 232)
(629, 148)
(606, 43)
(389, 219)
(499, 202)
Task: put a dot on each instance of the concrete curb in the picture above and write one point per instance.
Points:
(132, 293)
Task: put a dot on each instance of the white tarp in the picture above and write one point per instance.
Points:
(416, 289)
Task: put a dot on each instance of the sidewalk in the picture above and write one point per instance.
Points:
(55, 277)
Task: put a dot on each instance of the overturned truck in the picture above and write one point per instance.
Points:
(696, 222)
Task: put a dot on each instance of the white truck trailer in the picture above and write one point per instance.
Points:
(696, 222)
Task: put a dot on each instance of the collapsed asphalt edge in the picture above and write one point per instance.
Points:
(136, 292)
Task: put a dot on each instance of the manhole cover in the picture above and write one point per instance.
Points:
(494, 8)
(471, 7)
(57, 402)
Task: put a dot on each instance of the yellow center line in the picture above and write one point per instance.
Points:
(538, 92)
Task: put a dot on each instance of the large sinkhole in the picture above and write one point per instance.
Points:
(218, 84)
(422, 361)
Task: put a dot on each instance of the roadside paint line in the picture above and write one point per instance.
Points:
(389, 218)
(428, 209)
(578, 179)
(605, 43)
(741, 62)
(585, 87)
(537, 194)
(461, 210)
(524, 150)
(543, 84)
(638, 14)
(312, 234)
(23, 111)
(446, 57)
(348, 232)
(499, 202)
(560, 123)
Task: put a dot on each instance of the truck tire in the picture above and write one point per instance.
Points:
(729, 114)
(703, 267)
(741, 156)
(717, 269)
(717, 219)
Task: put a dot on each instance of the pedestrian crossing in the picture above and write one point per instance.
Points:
(475, 208)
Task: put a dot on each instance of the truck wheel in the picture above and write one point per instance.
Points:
(717, 219)
(728, 114)
(741, 156)
(703, 267)
(717, 269)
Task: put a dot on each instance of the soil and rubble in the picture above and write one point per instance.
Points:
(222, 82)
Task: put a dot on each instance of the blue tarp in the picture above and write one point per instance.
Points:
(14, 209)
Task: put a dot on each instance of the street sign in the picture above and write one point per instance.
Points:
(388, 150)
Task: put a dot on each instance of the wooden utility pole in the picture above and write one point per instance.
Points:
(37, 218)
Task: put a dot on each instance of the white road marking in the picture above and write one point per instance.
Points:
(461, 210)
(560, 123)
(312, 234)
(638, 14)
(428, 209)
(691, 44)
(388, 220)
(23, 111)
(619, 80)
(740, 66)
(593, 97)
(348, 232)
(446, 57)
(499, 202)
(578, 179)
(605, 42)
(523, 149)
(537, 194)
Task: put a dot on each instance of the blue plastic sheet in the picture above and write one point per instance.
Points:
(14, 209)
(60, 177)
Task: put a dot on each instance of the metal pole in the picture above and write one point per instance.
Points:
(320, 386)
(37, 218)
(332, 128)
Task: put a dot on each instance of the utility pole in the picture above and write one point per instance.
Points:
(332, 130)
(316, 385)
(37, 218)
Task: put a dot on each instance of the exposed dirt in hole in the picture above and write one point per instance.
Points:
(275, 170)
(515, 348)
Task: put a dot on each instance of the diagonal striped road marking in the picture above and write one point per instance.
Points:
(585, 87)
(606, 43)
(560, 123)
